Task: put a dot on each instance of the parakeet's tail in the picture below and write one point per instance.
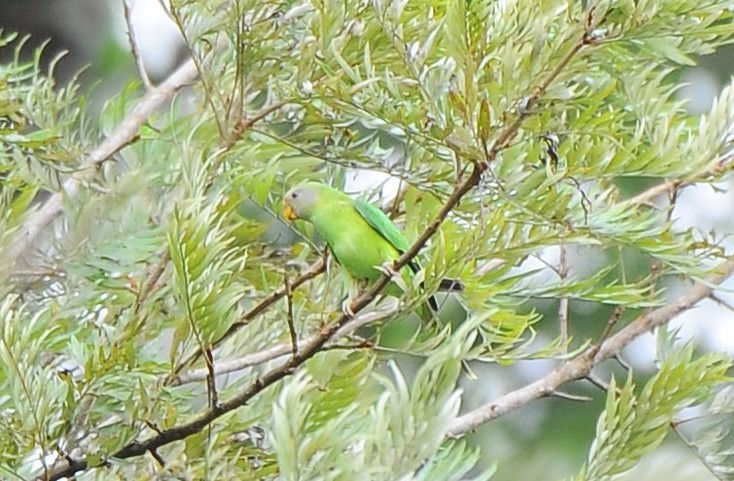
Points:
(450, 285)
(433, 304)
(446, 285)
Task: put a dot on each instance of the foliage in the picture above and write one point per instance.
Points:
(634, 425)
(154, 265)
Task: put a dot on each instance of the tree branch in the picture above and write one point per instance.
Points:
(283, 349)
(289, 317)
(582, 365)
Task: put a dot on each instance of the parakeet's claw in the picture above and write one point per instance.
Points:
(396, 277)
(388, 269)
(347, 307)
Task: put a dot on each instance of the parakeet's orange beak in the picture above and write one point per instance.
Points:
(288, 212)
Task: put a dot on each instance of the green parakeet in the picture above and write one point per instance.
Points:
(360, 236)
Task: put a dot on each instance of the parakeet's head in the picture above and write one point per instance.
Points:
(300, 201)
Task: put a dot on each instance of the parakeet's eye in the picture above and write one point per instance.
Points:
(294, 195)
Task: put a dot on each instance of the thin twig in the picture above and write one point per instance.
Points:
(392, 206)
(234, 365)
(152, 426)
(613, 320)
(715, 168)
(672, 199)
(159, 459)
(585, 201)
(211, 381)
(692, 447)
(246, 123)
(313, 271)
(540, 259)
(648, 195)
(289, 317)
(564, 301)
(721, 302)
(152, 280)
(134, 47)
(209, 92)
(604, 386)
(620, 360)
(569, 396)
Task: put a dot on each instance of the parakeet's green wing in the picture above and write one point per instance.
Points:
(380, 222)
(384, 226)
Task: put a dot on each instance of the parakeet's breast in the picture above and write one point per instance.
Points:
(361, 254)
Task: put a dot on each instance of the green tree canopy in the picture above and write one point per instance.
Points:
(158, 320)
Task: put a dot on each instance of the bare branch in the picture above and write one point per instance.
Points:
(211, 380)
(569, 396)
(582, 365)
(620, 360)
(235, 365)
(721, 302)
(159, 459)
(613, 320)
(673, 187)
(152, 280)
(692, 447)
(648, 195)
(601, 384)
